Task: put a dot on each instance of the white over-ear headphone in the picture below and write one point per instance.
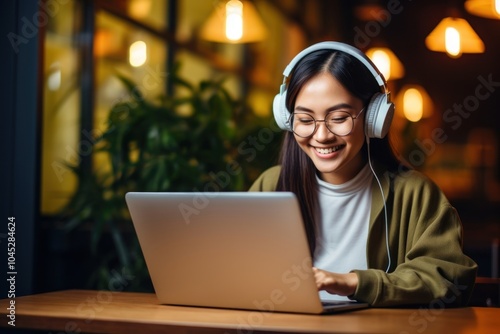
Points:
(379, 111)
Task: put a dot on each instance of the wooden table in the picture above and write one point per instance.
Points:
(76, 311)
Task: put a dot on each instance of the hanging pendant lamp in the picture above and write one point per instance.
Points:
(387, 62)
(234, 21)
(454, 36)
(484, 8)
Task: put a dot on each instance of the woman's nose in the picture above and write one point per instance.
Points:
(322, 133)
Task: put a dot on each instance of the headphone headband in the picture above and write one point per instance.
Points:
(338, 46)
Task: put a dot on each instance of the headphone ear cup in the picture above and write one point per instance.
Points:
(379, 115)
(281, 114)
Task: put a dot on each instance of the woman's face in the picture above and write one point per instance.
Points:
(338, 159)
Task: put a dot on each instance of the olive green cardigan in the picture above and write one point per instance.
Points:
(428, 266)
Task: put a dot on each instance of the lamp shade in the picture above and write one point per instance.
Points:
(413, 103)
(387, 63)
(454, 36)
(234, 22)
(484, 8)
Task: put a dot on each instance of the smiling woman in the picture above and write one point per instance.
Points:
(371, 222)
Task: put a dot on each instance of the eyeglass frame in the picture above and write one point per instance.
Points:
(324, 121)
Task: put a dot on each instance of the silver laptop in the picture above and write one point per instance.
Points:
(241, 250)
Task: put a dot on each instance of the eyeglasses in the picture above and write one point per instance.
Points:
(340, 123)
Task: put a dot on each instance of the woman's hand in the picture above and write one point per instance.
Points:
(338, 284)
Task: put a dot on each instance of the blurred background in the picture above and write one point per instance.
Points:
(108, 96)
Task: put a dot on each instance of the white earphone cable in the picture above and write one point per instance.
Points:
(385, 207)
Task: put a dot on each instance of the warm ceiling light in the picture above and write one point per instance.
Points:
(413, 103)
(138, 54)
(139, 8)
(452, 41)
(387, 63)
(234, 21)
(485, 8)
(105, 43)
(54, 76)
(454, 36)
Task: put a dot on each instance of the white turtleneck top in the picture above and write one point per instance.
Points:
(345, 216)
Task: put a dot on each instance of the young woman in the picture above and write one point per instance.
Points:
(378, 232)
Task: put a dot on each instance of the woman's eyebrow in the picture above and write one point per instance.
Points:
(332, 108)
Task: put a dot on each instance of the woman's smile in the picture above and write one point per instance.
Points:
(328, 150)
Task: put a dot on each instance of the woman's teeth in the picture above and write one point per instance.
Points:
(327, 150)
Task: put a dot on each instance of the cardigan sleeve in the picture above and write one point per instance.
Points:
(267, 181)
(425, 236)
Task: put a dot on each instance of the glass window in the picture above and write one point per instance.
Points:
(126, 42)
(124, 49)
(61, 107)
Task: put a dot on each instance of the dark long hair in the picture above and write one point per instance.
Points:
(298, 173)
